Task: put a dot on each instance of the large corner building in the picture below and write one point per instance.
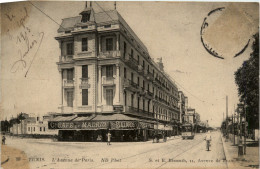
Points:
(109, 82)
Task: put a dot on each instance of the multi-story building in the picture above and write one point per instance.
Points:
(109, 81)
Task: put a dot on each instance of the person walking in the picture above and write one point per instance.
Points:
(208, 139)
(3, 140)
(108, 138)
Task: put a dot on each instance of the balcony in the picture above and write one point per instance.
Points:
(110, 54)
(141, 91)
(138, 112)
(86, 54)
(84, 83)
(66, 58)
(148, 94)
(130, 85)
(140, 69)
(108, 81)
(157, 82)
(68, 83)
(132, 62)
(149, 76)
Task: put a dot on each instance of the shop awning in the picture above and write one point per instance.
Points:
(84, 118)
(63, 118)
(114, 117)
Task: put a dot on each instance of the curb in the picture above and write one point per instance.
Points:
(226, 154)
(5, 161)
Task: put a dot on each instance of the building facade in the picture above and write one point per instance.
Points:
(109, 81)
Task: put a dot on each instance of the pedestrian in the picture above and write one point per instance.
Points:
(208, 139)
(3, 140)
(153, 137)
(108, 138)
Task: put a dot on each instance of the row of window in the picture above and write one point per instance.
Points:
(33, 129)
(109, 97)
(159, 93)
(85, 47)
(70, 97)
(160, 78)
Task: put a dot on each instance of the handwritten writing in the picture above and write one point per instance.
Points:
(27, 42)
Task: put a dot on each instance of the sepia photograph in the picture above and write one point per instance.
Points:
(129, 84)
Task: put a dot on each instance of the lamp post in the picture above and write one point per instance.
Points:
(245, 131)
(233, 128)
(240, 146)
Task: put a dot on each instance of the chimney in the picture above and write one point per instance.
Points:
(160, 64)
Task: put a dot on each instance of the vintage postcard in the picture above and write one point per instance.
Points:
(95, 84)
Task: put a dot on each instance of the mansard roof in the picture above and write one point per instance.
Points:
(101, 18)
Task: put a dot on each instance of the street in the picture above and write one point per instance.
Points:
(175, 153)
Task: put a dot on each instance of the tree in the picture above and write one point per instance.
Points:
(247, 80)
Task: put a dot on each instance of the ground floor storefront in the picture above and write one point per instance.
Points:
(121, 127)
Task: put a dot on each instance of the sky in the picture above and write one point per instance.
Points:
(170, 30)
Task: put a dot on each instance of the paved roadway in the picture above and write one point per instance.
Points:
(175, 153)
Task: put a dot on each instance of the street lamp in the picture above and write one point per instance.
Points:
(240, 146)
(245, 125)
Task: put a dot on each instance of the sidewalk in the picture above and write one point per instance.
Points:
(250, 160)
(12, 158)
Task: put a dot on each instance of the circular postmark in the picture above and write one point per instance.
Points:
(225, 32)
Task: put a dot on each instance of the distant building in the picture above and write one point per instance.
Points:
(182, 105)
(32, 125)
(189, 116)
(21, 127)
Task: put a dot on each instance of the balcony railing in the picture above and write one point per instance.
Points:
(66, 58)
(138, 112)
(149, 76)
(140, 69)
(109, 54)
(84, 83)
(130, 85)
(108, 81)
(148, 94)
(132, 62)
(85, 54)
(68, 83)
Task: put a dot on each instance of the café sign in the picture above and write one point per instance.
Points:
(92, 124)
(78, 125)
